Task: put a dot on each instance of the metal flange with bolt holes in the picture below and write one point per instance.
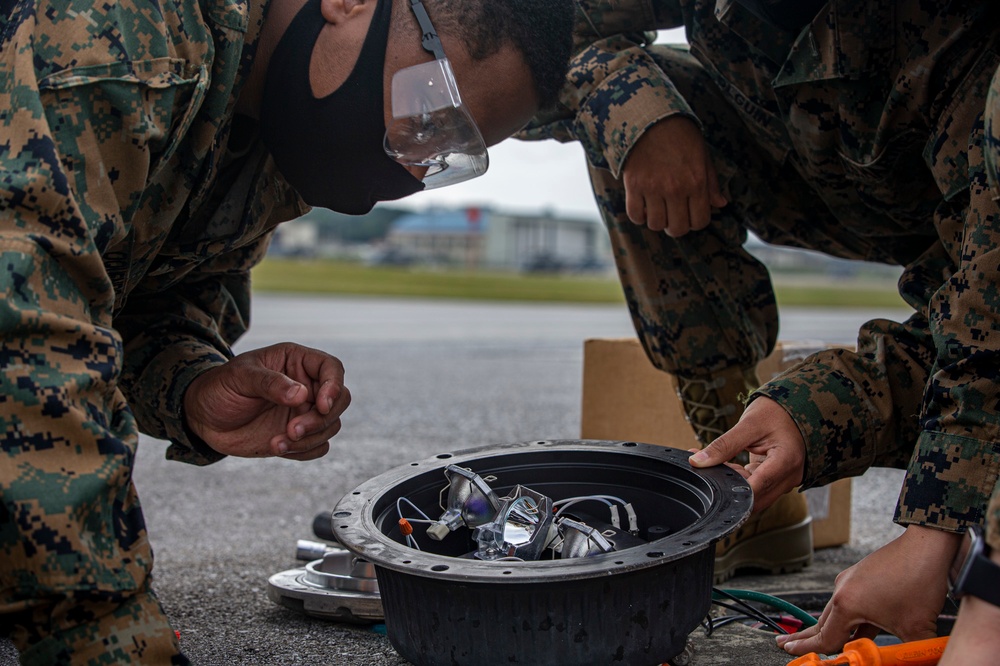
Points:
(340, 586)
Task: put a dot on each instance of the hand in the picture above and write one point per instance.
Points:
(777, 451)
(284, 400)
(900, 588)
(670, 183)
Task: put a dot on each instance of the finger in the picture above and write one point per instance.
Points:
(285, 444)
(770, 479)
(312, 425)
(808, 632)
(635, 204)
(866, 630)
(826, 637)
(260, 382)
(723, 449)
(311, 454)
(738, 469)
(332, 398)
(678, 216)
(322, 367)
(656, 214)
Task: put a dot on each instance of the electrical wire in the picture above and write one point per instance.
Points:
(607, 500)
(752, 614)
(803, 616)
(411, 541)
(744, 609)
(399, 510)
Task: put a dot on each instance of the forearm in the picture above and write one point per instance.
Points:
(856, 410)
(177, 327)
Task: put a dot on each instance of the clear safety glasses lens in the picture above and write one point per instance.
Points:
(431, 128)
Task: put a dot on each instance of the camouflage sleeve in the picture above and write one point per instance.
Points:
(614, 89)
(932, 407)
(851, 407)
(172, 333)
(61, 357)
(68, 186)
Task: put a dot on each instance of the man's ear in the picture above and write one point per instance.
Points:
(337, 11)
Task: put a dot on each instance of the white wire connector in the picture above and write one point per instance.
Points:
(616, 520)
(633, 522)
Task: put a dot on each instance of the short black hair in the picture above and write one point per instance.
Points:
(542, 30)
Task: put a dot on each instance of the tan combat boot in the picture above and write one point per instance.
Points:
(777, 539)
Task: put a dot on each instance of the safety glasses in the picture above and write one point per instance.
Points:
(430, 126)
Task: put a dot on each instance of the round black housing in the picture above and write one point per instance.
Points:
(632, 606)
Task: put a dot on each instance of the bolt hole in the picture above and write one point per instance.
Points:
(407, 562)
(687, 543)
(344, 527)
(443, 456)
(356, 492)
(342, 514)
(655, 553)
(726, 521)
(507, 573)
(414, 464)
(439, 567)
(619, 562)
(629, 444)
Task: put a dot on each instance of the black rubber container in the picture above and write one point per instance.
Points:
(633, 606)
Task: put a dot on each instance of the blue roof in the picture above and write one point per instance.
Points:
(447, 222)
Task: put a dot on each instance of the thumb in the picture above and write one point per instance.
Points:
(723, 449)
(274, 387)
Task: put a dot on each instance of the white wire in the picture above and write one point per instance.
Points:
(415, 508)
(576, 500)
(564, 504)
(410, 541)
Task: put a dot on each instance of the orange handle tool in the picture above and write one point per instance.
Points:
(864, 652)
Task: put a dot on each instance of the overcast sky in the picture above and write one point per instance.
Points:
(527, 176)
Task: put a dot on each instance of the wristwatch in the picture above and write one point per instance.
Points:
(973, 572)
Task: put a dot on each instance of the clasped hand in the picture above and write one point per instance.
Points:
(284, 400)
(670, 183)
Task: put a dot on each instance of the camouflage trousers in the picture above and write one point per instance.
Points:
(74, 556)
(701, 303)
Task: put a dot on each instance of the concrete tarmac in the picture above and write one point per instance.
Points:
(426, 377)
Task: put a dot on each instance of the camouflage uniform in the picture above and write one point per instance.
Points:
(133, 204)
(859, 135)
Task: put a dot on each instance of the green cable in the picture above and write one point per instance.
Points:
(772, 601)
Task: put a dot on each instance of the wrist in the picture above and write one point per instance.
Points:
(975, 570)
(938, 546)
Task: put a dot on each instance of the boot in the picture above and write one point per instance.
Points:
(777, 539)
(713, 405)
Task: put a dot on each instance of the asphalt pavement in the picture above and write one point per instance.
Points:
(426, 377)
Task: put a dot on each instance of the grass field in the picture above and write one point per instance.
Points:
(334, 277)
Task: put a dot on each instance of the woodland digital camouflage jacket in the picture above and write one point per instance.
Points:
(128, 218)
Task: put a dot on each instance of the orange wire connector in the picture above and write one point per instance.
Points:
(405, 528)
(864, 652)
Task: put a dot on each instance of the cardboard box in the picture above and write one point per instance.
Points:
(626, 398)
